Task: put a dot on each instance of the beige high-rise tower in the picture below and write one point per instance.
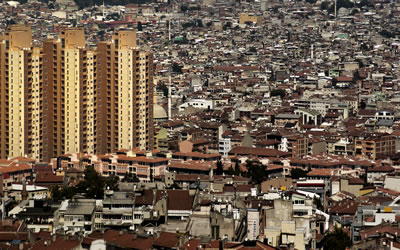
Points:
(17, 81)
(125, 79)
(64, 98)
(74, 79)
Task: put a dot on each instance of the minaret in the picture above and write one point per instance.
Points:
(169, 97)
(211, 178)
(169, 82)
(169, 29)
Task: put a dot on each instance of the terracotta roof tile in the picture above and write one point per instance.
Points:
(166, 240)
(179, 200)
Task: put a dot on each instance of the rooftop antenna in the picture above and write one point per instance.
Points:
(169, 77)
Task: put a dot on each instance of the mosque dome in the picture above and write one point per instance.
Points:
(159, 112)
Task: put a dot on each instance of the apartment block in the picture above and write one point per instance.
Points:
(376, 146)
(296, 144)
(63, 97)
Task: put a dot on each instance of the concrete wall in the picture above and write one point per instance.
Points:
(253, 224)
(353, 189)
(392, 182)
(318, 147)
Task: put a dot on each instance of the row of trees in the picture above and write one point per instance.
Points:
(193, 23)
(330, 6)
(256, 172)
(92, 186)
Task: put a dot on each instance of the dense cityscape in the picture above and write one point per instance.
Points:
(201, 124)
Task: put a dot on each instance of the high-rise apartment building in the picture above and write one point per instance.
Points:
(125, 83)
(65, 98)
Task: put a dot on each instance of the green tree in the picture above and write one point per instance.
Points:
(318, 204)
(324, 5)
(253, 50)
(227, 25)
(199, 23)
(56, 193)
(188, 25)
(256, 172)
(220, 168)
(59, 193)
(162, 87)
(341, 4)
(184, 8)
(102, 26)
(231, 171)
(101, 34)
(278, 92)
(111, 182)
(113, 16)
(298, 173)
(336, 240)
(92, 185)
(363, 3)
(206, 83)
(237, 169)
(363, 105)
(139, 26)
(176, 68)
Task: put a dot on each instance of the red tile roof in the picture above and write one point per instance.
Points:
(59, 243)
(179, 200)
(379, 229)
(166, 240)
(378, 169)
(146, 198)
(347, 207)
(123, 240)
(239, 188)
(48, 178)
(321, 172)
(197, 155)
(191, 244)
(193, 165)
(260, 152)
